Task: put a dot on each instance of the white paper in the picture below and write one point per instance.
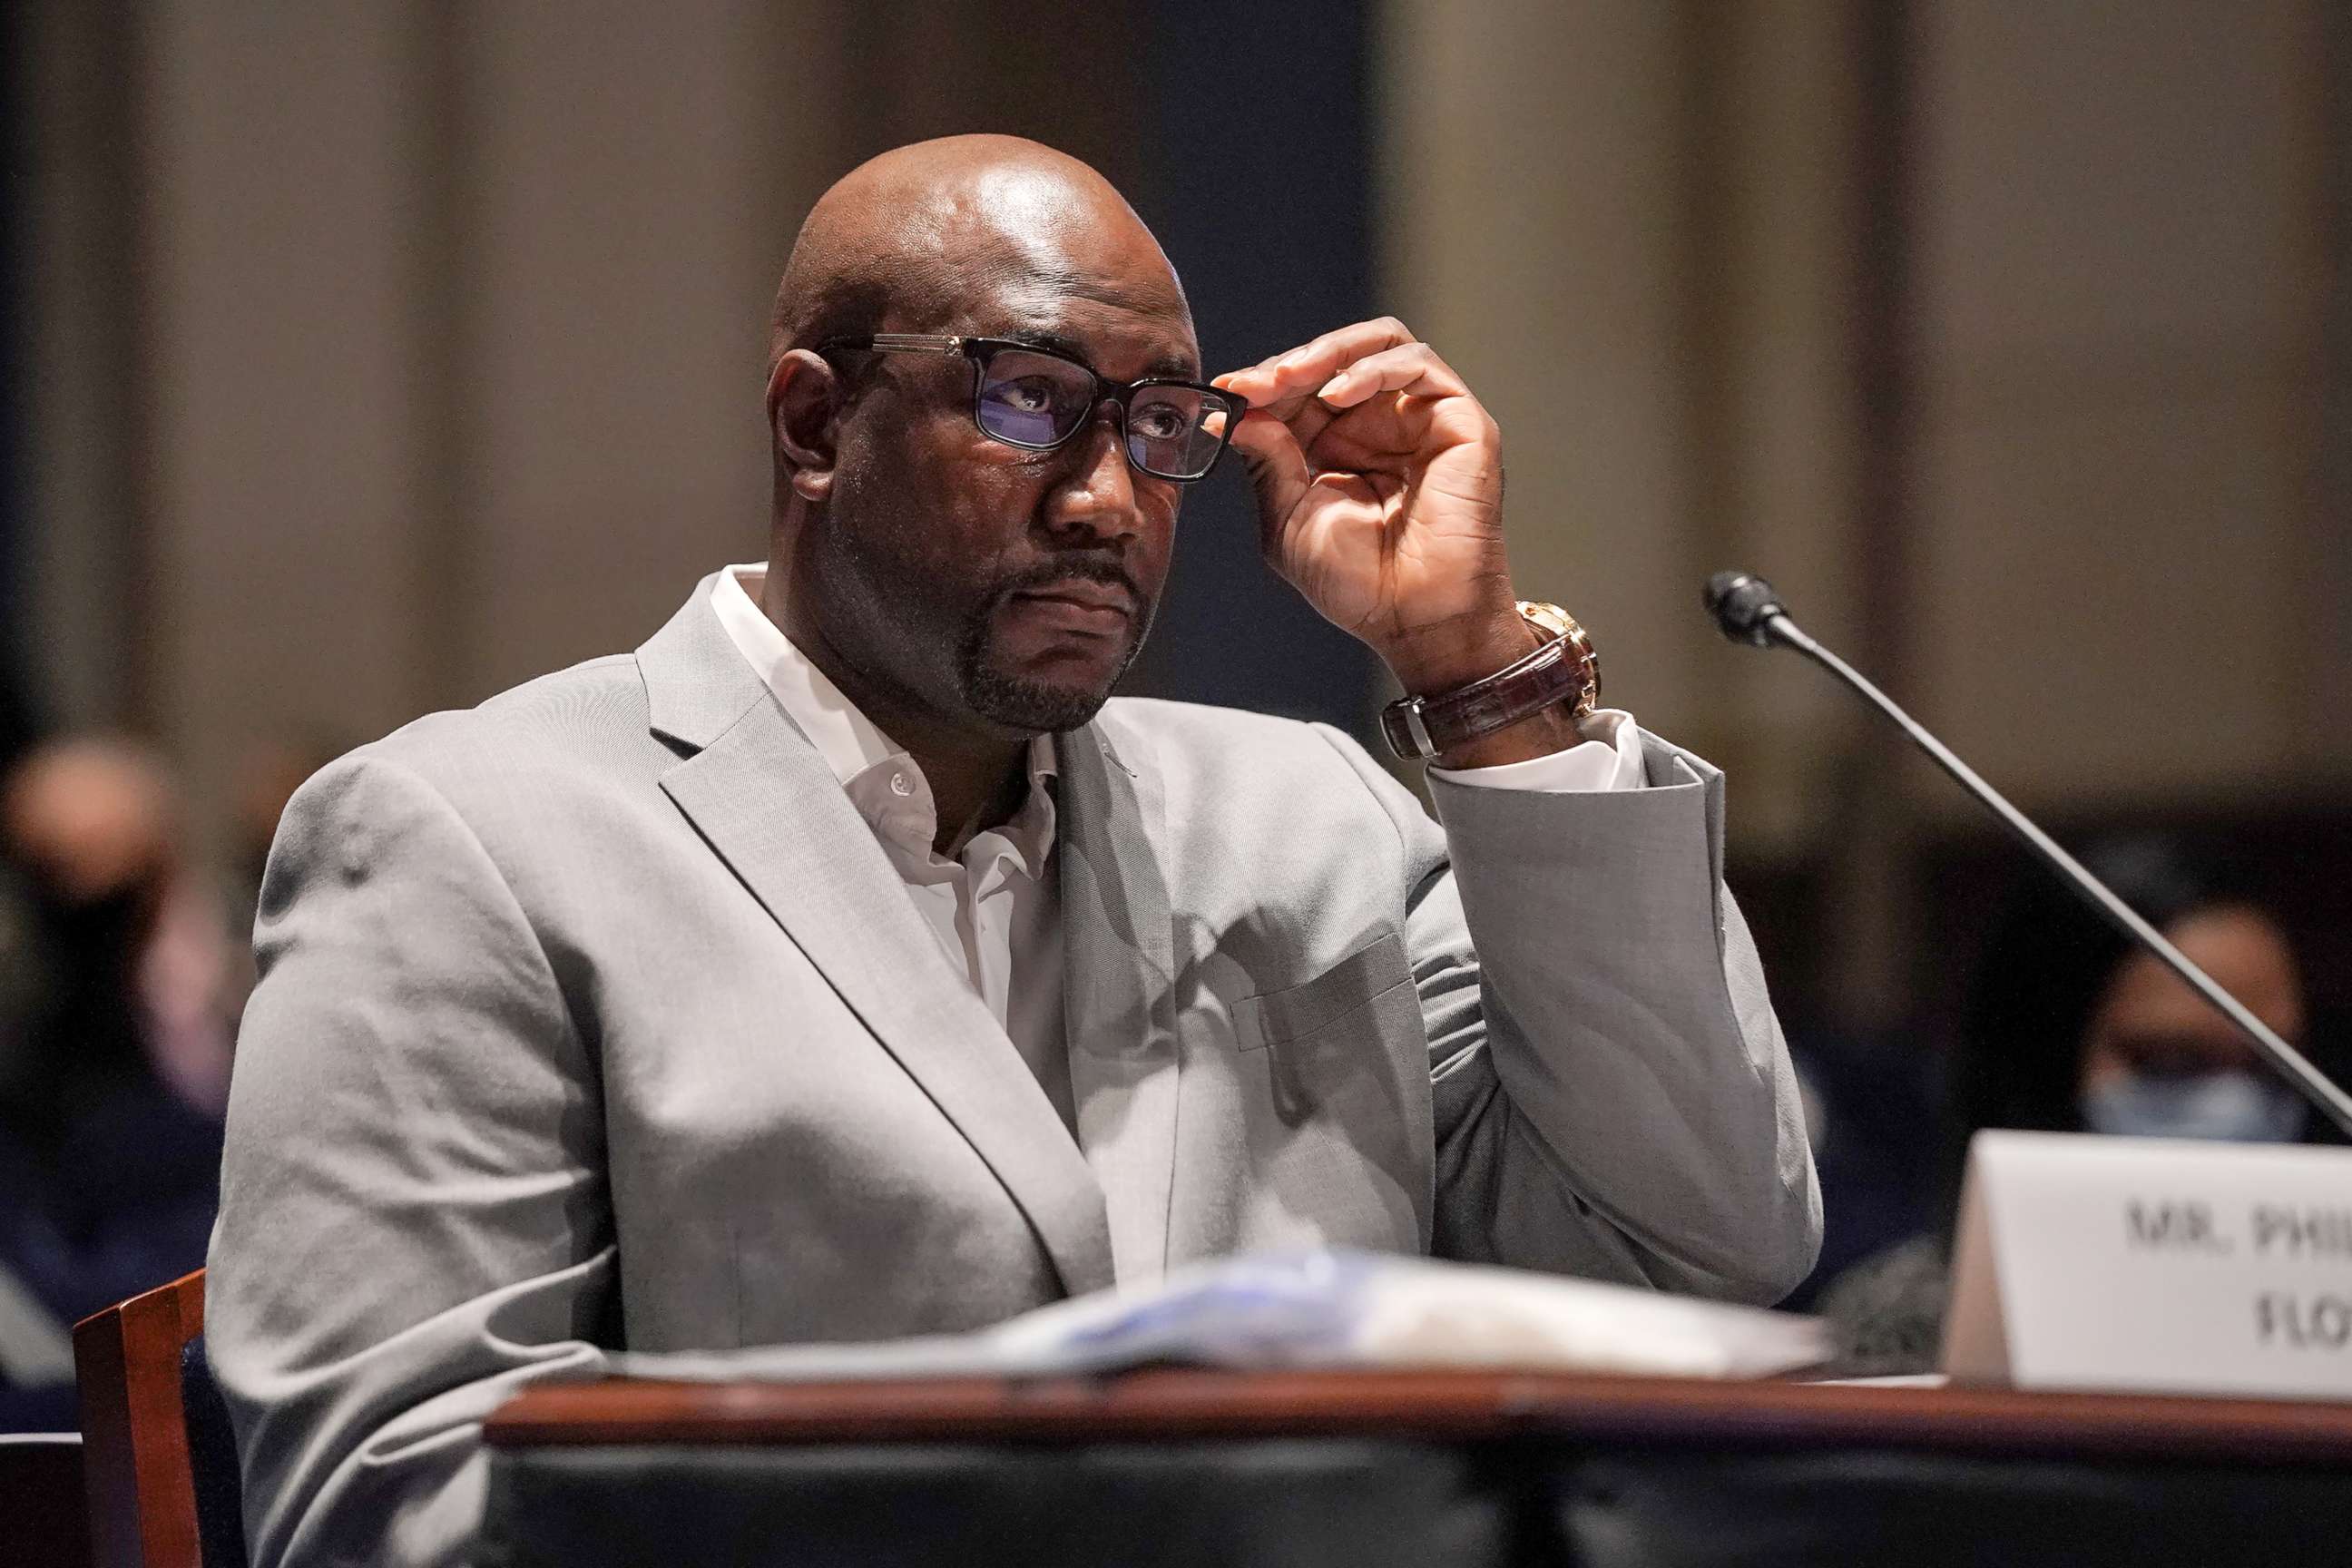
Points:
(1334, 1309)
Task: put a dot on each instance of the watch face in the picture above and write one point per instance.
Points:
(1549, 618)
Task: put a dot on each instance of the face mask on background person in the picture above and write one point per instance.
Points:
(2233, 1106)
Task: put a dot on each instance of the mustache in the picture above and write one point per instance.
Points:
(1101, 569)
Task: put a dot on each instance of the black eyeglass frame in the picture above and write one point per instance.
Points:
(979, 351)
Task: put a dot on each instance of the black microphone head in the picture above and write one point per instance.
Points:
(1742, 603)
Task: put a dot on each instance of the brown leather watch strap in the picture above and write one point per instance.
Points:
(1564, 668)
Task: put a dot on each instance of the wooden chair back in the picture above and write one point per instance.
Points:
(135, 1468)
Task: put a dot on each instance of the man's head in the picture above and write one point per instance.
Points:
(987, 589)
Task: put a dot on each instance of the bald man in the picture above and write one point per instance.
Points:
(844, 963)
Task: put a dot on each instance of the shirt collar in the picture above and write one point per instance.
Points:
(865, 761)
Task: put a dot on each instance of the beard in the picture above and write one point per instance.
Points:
(1023, 703)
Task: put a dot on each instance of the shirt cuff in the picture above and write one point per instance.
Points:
(1609, 758)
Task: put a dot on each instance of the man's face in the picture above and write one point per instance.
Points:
(999, 589)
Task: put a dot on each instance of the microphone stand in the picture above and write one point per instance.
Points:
(1749, 611)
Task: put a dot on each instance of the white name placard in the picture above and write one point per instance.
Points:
(2153, 1264)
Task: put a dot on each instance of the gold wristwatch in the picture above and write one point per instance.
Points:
(1564, 669)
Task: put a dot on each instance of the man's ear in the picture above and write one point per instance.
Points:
(804, 404)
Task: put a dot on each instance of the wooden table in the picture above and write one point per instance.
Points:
(1474, 1466)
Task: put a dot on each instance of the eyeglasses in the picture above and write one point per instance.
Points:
(1037, 399)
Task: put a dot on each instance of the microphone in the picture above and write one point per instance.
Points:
(1744, 607)
(1747, 610)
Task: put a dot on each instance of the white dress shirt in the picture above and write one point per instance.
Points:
(996, 914)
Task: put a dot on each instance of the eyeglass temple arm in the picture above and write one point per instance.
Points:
(915, 343)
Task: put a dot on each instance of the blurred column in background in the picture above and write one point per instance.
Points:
(627, 184)
(2332, 676)
(78, 483)
(282, 371)
(1633, 227)
(2121, 289)
(459, 327)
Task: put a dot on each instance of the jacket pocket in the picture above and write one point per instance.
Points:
(1334, 1089)
(1299, 1011)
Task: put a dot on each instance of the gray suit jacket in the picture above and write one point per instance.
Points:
(596, 1018)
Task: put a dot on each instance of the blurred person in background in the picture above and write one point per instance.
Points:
(1867, 1093)
(114, 1047)
(2070, 1028)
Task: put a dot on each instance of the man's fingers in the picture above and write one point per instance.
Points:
(1309, 365)
(1286, 407)
(1334, 347)
(1412, 368)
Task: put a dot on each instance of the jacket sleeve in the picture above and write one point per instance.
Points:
(1612, 1096)
(414, 1223)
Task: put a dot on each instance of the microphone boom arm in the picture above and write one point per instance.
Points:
(1772, 627)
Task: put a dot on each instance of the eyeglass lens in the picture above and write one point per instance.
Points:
(1038, 400)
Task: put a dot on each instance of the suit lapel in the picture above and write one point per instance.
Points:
(1118, 989)
(763, 799)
